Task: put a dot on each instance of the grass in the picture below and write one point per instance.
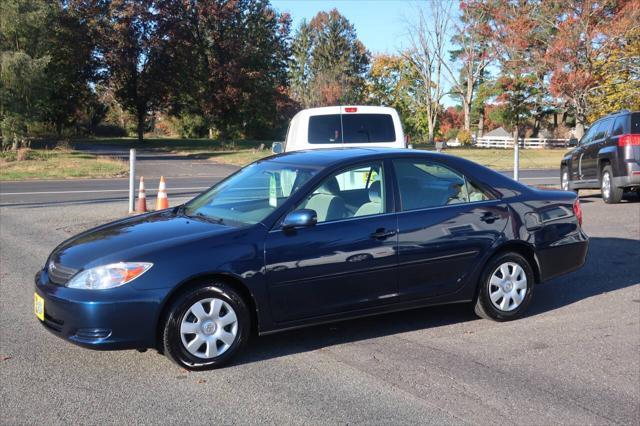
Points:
(502, 159)
(57, 164)
(243, 152)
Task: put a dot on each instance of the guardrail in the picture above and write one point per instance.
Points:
(526, 143)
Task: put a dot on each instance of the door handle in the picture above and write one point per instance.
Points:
(382, 234)
(489, 218)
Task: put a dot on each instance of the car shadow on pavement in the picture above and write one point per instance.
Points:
(594, 278)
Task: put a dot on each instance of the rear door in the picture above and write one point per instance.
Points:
(445, 225)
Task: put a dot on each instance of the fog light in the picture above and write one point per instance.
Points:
(92, 333)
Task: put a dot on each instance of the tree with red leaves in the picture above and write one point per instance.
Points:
(586, 32)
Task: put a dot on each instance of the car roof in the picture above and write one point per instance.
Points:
(326, 157)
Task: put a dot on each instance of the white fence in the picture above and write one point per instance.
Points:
(527, 143)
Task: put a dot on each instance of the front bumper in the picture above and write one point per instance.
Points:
(119, 318)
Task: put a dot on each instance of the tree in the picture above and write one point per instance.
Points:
(231, 58)
(134, 46)
(587, 33)
(472, 52)
(329, 62)
(618, 75)
(392, 82)
(427, 38)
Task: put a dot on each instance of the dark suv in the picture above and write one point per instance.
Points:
(607, 157)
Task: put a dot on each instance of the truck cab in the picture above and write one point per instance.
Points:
(343, 126)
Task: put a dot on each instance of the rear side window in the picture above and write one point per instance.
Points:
(351, 128)
(602, 130)
(635, 123)
(366, 128)
(325, 129)
(424, 184)
(619, 125)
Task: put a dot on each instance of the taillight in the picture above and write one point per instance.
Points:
(577, 210)
(351, 109)
(629, 140)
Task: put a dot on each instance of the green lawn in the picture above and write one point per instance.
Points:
(57, 164)
(245, 151)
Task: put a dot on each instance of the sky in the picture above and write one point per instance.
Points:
(380, 24)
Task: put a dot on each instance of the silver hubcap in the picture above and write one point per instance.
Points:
(508, 286)
(565, 181)
(209, 328)
(606, 185)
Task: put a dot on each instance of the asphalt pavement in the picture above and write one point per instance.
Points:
(573, 359)
(186, 177)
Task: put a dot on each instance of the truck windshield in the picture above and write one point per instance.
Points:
(249, 196)
(351, 128)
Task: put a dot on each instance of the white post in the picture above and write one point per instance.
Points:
(516, 157)
(132, 179)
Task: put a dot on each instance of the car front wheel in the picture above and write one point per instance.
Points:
(610, 193)
(206, 327)
(564, 179)
(506, 288)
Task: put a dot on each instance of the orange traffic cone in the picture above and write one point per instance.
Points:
(141, 204)
(162, 202)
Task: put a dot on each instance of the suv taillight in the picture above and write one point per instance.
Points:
(577, 210)
(629, 140)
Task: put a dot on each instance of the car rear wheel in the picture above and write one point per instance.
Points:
(206, 327)
(610, 193)
(506, 288)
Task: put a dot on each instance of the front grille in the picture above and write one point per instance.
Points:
(59, 274)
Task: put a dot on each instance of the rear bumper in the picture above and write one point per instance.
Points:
(631, 180)
(564, 256)
(119, 318)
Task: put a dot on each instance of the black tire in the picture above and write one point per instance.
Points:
(174, 348)
(484, 307)
(610, 193)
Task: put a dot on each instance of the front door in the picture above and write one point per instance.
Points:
(446, 224)
(590, 158)
(347, 260)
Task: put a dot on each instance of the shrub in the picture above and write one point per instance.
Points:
(110, 131)
(464, 137)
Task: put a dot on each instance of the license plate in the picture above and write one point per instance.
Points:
(38, 306)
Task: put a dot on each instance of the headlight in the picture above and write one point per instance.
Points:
(108, 276)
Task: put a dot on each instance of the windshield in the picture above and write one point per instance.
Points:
(250, 195)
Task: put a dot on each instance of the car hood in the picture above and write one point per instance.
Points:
(130, 239)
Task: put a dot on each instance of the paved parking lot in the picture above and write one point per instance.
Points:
(574, 359)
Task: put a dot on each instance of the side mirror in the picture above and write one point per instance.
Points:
(300, 219)
(277, 147)
(573, 142)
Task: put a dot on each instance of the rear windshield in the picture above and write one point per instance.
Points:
(351, 128)
(635, 123)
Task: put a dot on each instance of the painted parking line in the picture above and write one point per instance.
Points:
(198, 188)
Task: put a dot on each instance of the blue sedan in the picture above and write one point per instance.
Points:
(305, 238)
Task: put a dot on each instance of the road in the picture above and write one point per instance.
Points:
(573, 359)
(185, 178)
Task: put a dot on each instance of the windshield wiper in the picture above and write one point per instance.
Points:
(211, 219)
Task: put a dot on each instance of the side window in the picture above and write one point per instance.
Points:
(355, 192)
(602, 130)
(618, 126)
(588, 137)
(425, 184)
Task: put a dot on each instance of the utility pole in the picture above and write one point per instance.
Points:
(132, 180)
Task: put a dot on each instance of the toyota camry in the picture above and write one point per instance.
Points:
(304, 238)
